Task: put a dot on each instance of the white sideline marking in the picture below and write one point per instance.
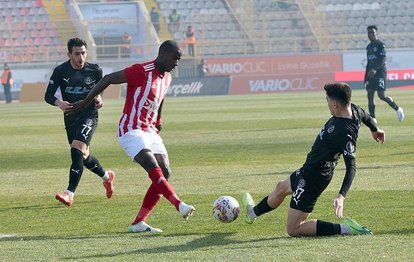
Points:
(7, 235)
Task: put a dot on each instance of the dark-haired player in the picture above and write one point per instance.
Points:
(337, 137)
(376, 74)
(140, 124)
(72, 81)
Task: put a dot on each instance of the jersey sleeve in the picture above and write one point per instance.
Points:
(348, 148)
(366, 119)
(134, 74)
(100, 74)
(52, 87)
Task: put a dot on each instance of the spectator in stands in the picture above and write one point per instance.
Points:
(376, 74)
(7, 82)
(126, 47)
(202, 68)
(190, 40)
(174, 18)
(155, 19)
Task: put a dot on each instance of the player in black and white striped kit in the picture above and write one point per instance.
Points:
(337, 137)
(72, 81)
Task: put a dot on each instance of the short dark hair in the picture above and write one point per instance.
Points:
(339, 91)
(76, 42)
(372, 27)
(170, 46)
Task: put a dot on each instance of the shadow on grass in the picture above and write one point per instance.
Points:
(205, 241)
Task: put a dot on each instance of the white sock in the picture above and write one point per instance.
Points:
(70, 193)
(106, 176)
(250, 213)
(345, 229)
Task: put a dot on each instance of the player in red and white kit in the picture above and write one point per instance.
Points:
(140, 124)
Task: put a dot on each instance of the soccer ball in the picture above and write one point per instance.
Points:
(226, 209)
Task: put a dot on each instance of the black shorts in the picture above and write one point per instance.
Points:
(305, 191)
(81, 128)
(376, 83)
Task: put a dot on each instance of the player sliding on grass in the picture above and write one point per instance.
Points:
(73, 80)
(140, 123)
(338, 136)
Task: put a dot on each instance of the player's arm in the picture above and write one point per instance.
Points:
(158, 124)
(338, 202)
(113, 78)
(51, 89)
(347, 145)
(98, 98)
(377, 134)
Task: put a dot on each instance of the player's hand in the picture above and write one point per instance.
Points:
(158, 125)
(338, 204)
(76, 107)
(371, 73)
(379, 136)
(98, 102)
(63, 105)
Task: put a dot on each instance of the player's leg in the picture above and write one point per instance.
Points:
(152, 197)
(298, 225)
(371, 102)
(82, 141)
(268, 203)
(391, 103)
(147, 160)
(76, 167)
(137, 145)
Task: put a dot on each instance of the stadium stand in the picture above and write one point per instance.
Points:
(27, 32)
(36, 30)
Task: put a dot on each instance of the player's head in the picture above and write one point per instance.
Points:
(372, 33)
(77, 52)
(169, 54)
(338, 95)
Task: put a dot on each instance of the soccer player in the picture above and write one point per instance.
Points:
(72, 81)
(376, 74)
(140, 124)
(337, 137)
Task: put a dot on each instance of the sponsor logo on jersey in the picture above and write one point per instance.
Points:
(89, 80)
(66, 80)
(76, 90)
(350, 149)
(331, 129)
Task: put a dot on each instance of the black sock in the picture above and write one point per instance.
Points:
(76, 169)
(262, 208)
(93, 165)
(371, 109)
(327, 228)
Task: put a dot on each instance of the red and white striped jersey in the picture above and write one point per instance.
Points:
(146, 88)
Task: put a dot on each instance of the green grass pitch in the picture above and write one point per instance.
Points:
(223, 145)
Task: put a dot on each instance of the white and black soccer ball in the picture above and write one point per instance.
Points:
(226, 209)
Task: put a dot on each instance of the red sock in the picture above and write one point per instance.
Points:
(163, 186)
(151, 199)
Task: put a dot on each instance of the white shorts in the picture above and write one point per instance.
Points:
(135, 140)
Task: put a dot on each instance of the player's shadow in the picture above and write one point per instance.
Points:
(206, 241)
